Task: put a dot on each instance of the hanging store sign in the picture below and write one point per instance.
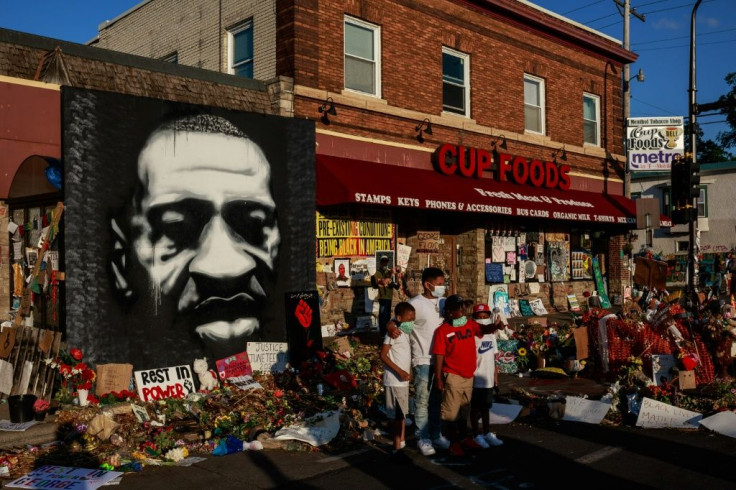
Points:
(652, 142)
(472, 162)
(348, 237)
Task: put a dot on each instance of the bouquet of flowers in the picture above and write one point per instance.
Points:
(75, 375)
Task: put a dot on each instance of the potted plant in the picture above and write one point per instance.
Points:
(40, 408)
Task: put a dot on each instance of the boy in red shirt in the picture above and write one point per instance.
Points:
(455, 362)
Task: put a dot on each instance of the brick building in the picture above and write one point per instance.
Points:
(500, 78)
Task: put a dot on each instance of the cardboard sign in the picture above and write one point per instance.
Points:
(113, 377)
(343, 346)
(234, 366)
(245, 383)
(45, 340)
(581, 342)
(403, 252)
(722, 422)
(268, 357)
(170, 382)
(578, 409)
(662, 368)
(657, 415)
(687, 380)
(428, 242)
(7, 341)
(64, 477)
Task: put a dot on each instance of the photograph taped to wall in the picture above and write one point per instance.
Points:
(202, 218)
(342, 271)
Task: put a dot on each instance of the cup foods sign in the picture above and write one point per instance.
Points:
(652, 142)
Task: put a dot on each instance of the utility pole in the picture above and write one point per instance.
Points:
(626, 78)
(692, 113)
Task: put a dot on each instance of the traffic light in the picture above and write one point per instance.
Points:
(685, 178)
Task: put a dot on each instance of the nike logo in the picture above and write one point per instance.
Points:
(485, 347)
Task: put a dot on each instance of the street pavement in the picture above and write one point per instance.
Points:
(551, 454)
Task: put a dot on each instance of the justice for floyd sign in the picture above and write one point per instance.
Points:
(652, 142)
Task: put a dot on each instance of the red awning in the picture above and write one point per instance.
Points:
(343, 180)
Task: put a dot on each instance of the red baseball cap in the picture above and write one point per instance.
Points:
(481, 307)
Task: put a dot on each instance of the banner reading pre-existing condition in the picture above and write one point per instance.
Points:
(652, 142)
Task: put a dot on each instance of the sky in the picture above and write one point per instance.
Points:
(662, 42)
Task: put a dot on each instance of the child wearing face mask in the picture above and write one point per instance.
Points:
(455, 363)
(396, 357)
(485, 381)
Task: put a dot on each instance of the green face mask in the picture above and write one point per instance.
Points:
(459, 322)
(406, 327)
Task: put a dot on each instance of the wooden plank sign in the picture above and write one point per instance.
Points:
(170, 382)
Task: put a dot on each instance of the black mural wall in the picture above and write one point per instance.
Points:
(184, 226)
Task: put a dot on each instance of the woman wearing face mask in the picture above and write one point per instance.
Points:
(427, 306)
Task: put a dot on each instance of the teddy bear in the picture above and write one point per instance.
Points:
(207, 377)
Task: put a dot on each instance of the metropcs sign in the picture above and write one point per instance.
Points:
(472, 162)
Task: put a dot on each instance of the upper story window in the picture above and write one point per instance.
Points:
(455, 82)
(362, 57)
(703, 203)
(171, 58)
(533, 104)
(591, 120)
(666, 202)
(240, 50)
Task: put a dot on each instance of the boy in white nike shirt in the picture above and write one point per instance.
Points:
(486, 376)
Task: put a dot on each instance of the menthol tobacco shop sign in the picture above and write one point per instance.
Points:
(652, 142)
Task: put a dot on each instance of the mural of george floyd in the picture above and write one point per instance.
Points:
(184, 227)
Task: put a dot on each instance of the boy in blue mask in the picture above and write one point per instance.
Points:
(396, 357)
(454, 364)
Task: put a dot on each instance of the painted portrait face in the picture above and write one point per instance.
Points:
(207, 234)
(341, 269)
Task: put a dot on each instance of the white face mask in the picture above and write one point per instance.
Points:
(438, 291)
(484, 321)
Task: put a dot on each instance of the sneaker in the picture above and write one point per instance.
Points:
(402, 445)
(492, 440)
(425, 447)
(441, 442)
(469, 443)
(481, 441)
(456, 449)
(399, 457)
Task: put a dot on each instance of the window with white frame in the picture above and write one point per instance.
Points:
(455, 82)
(666, 202)
(591, 120)
(533, 104)
(240, 50)
(362, 57)
(703, 203)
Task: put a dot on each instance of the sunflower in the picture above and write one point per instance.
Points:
(522, 352)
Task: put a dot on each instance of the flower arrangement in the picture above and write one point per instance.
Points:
(75, 375)
(41, 406)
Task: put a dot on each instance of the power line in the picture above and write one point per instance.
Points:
(686, 37)
(687, 45)
(674, 8)
(669, 113)
(583, 7)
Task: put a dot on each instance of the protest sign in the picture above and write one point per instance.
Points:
(64, 477)
(113, 377)
(170, 382)
(578, 409)
(656, 415)
(245, 383)
(268, 357)
(233, 366)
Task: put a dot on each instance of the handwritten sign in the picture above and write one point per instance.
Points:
(657, 415)
(64, 477)
(268, 357)
(403, 252)
(170, 382)
(578, 409)
(428, 242)
(113, 377)
(233, 366)
(16, 426)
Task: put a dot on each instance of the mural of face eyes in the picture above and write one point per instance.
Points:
(208, 235)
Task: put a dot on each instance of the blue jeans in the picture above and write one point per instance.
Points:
(428, 401)
(384, 314)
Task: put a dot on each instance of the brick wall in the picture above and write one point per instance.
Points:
(197, 31)
(5, 264)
